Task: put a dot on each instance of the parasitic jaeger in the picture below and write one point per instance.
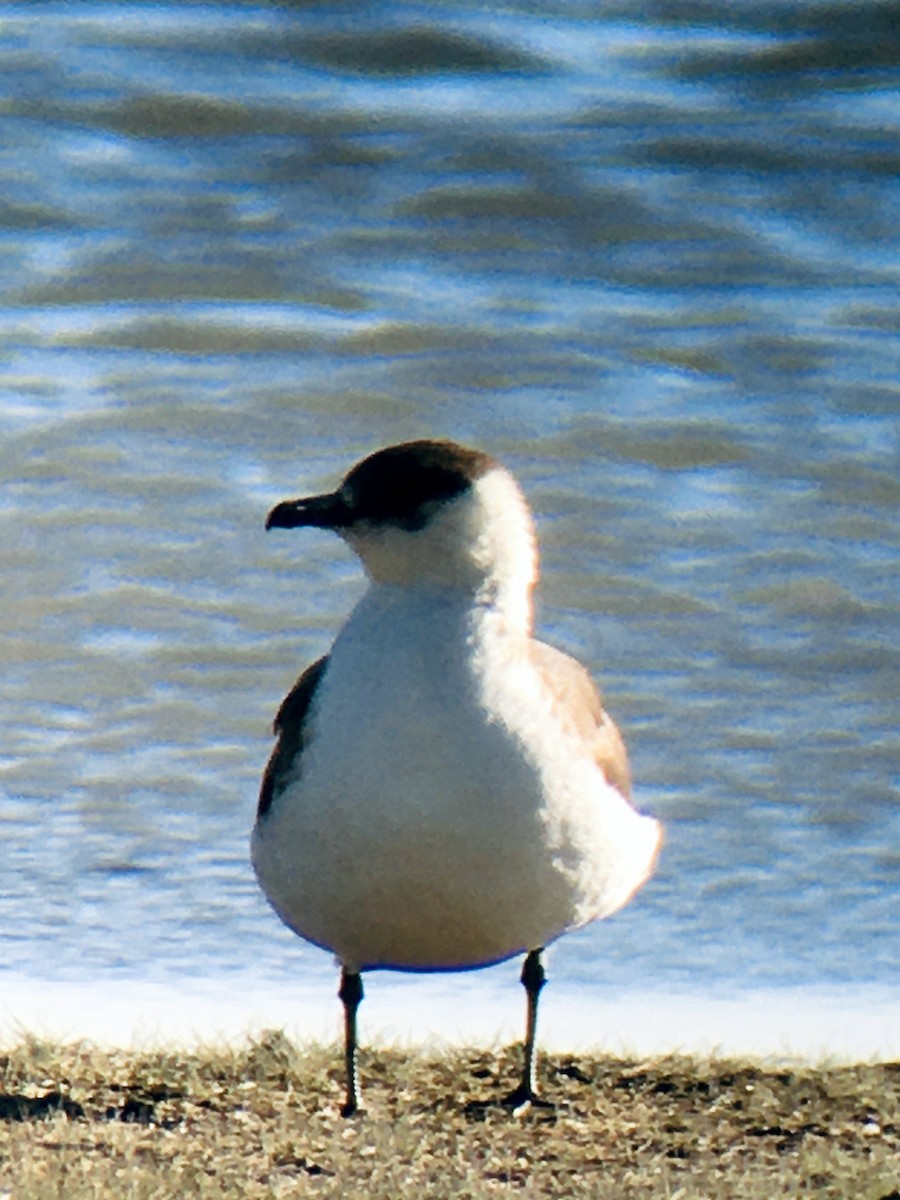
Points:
(445, 791)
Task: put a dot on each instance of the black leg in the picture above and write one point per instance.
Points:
(533, 979)
(350, 993)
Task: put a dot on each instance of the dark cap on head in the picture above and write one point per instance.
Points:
(401, 485)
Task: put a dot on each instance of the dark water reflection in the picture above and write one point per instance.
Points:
(650, 259)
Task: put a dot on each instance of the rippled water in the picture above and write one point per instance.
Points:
(649, 259)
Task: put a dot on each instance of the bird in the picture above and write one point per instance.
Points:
(445, 792)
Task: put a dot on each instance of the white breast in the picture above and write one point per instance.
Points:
(441, 817)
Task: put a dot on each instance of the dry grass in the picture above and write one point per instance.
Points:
(77, 1122)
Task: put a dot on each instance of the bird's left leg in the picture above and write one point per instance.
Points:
(350, 993)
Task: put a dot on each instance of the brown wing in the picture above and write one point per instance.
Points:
(579, 706)
(290, 728)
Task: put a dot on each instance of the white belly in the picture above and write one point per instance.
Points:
(440, 818)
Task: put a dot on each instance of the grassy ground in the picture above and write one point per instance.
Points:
(77, 1122)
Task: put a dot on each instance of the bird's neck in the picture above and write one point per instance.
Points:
(449, 611)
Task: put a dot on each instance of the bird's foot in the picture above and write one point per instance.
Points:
(523, 1098)
(352, 1108)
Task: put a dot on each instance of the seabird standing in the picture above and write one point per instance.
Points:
(446, 791)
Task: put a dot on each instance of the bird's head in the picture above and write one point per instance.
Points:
(430, 513)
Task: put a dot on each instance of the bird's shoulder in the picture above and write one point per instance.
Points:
(290, 728)
(293, 710)
(579, 705)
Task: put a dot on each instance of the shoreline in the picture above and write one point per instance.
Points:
(840, 1024)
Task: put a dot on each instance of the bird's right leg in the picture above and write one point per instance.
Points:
(525, 1095)
(350, 993)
